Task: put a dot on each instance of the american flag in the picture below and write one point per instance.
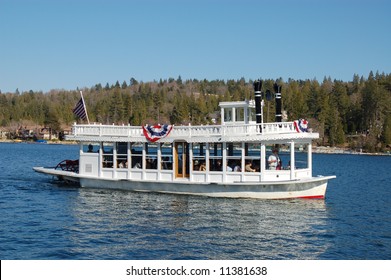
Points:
(80, 110)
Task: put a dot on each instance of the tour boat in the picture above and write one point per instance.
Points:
(231, 159)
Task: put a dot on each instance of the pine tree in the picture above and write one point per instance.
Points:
(124, 85)
(387, 131)
(117, 107)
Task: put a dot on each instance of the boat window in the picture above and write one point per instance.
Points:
(166, 160)
(122, 155)
(285, 156)
(136, 151)
(283, 153)
(151, 155)
(251, 115)
(199, 162)
(301, 156)
(215, 156)
(252, 153)
(227, 114)
(107, 155)
(91, 148)
(239, 114)
(234, 157)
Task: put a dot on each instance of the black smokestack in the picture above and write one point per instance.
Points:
(258, 98)
(277, 90)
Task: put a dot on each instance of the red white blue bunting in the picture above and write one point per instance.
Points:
(301, 125)
(156, 132)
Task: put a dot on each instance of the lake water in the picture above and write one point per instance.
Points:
(41, 219)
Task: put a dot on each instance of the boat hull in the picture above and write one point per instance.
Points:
(306, 188)
(315, 188)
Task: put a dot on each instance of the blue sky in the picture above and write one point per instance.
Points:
(65, 44)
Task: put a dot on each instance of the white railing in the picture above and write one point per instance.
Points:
(186, 131)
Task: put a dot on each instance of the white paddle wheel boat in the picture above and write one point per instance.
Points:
(243, 157)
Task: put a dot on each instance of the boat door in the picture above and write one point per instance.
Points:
(181, 158)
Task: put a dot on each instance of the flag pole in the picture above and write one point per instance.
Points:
(85, 109)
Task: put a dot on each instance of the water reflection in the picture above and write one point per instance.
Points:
(126, 225)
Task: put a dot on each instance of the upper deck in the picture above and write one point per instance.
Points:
(271, 132)
(237, 125)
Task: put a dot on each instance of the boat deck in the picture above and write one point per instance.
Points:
(211, 133)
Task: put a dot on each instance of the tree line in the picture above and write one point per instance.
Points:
(356, 113)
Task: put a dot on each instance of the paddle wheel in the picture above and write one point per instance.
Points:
(68, 165)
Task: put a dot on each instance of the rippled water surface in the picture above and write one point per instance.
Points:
(41, 219)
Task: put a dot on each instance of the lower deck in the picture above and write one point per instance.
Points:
(194, 162)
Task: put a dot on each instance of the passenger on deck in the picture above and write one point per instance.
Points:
(237, 167)
(248, 167)
(218, 166)
(196, 165)
(274, 160)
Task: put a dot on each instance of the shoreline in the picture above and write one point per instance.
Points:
(48, 142)
(344, 151)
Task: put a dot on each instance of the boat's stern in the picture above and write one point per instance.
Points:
(67, 176)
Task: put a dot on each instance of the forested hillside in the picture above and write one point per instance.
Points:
(355, 114)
